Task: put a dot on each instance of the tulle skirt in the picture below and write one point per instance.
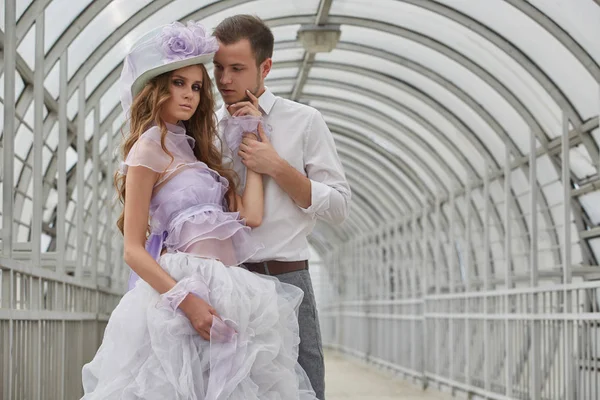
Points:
(151, 351)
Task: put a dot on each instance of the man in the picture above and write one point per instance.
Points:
(304, 179)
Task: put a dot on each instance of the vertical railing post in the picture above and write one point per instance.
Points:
(535, 325)
(81, 157)
(508, 272)
(38, 188)
(566, 253)
(486, 278)
(468, 287)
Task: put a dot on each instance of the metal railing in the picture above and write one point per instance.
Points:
(50, 326)
(486, 293)
(496, 344)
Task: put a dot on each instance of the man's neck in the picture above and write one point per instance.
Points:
(260, 91)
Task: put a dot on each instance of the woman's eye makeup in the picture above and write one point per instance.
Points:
(179, 82)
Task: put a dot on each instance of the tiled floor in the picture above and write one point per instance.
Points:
(350, 380)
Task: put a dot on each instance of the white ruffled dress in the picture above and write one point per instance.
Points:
(150, 350)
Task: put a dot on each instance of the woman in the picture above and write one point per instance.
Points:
(194, 326)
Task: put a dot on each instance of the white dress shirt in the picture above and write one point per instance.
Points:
(301, 137)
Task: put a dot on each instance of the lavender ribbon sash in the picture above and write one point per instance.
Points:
(154, 245)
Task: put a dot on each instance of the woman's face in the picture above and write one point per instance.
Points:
(185, 86)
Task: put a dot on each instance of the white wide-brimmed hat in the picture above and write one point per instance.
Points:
(164, 49)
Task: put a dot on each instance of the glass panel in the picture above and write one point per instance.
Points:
(18, 166)
(595, 245)
(370, 157)
(52, 138)
(46, 158)
(596, 135)
(52, 81)
(23, 234)
(103, 142)
(70, 211)
(71, 158)
(29, 117)
(23, 142)
(375, 137)
(89, 125)
(519, 183)
(110, 100)
(21, 7)
(406, 154)
(285, 33)
(288, 55)
(590, 203)
(553, 58)
(581, 163)
(266, 9)
(105, 23)
(472, 46)
(89, 166)
(19, 86)
(51, 202)
(433, 117)
(545, 170)
(46, 240)
(280, 73)
(117, 124)
(478, 126)
(27, 47)
(59, 14)
(452, 71)
(579, 18)
(73, 105)
(27, 211)
(427, 136)
(281, 89)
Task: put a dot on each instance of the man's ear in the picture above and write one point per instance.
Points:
(265, 67)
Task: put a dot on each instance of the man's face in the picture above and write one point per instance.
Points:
(236, 71)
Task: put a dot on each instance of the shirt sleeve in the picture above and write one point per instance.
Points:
(330, 191)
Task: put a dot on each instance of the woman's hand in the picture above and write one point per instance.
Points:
(200, 314)
(249, 137)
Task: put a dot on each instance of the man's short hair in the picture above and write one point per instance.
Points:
(233, 29)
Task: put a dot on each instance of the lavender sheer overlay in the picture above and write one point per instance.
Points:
(232, 131)
(187, 211)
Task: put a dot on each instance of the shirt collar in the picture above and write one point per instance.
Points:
(266, 101)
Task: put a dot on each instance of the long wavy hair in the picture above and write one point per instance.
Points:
(145, 112)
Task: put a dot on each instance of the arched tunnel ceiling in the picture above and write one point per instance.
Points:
(421, 96)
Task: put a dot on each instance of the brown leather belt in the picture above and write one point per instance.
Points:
(274, 267)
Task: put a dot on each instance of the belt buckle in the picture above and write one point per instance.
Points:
(266, 267)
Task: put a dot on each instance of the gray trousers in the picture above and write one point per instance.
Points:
(310, 354)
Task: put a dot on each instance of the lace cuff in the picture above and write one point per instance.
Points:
(173, 298)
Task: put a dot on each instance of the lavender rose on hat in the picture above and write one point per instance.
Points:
(179, 42)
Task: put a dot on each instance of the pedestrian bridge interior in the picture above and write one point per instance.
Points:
(468, 130)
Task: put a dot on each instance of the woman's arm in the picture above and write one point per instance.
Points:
(251, 204)
(138, 192)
